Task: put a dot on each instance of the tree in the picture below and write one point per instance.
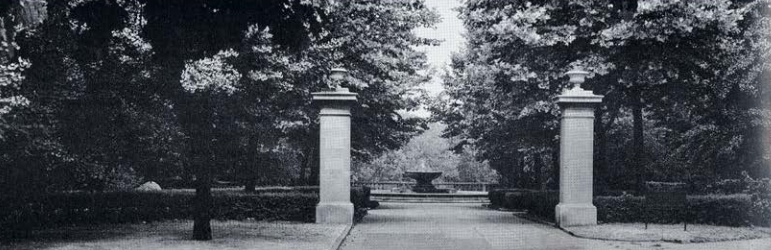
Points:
(375, 42)
(125, 91)
(641, 52)
(278, 77)
(15, 17)
(90, 122)
(225, 25)
(209, 82)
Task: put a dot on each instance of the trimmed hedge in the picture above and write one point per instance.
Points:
(726, 210)
(83, 208)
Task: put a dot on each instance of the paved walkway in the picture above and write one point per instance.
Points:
(447, 226)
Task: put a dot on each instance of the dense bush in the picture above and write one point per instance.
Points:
(539, 203)
(496, 196)
(727, 210)
(82, 208)
(543, 203)
(760, 194)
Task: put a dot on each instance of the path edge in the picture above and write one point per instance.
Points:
(340, 238)
(571, 233)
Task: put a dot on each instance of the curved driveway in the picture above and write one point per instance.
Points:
(448, 226)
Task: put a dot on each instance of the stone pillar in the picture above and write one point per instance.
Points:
(576, 154)
(335, 156)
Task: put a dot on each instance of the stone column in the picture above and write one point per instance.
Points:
(335, 156)
(576, 154)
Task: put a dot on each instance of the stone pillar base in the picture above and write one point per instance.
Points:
(575, 215)
(334, 213)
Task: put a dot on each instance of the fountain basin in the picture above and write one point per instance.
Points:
(424, 180)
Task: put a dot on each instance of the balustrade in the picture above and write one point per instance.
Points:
(460, 186)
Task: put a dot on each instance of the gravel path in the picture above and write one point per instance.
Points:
(448, 226)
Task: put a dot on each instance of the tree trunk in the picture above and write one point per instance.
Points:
(304, 167)
(517, 175)
(637, 140)
(503, 171)
(250, 173)
(314, 166)
(203, 158)
(202, 209)
(539, 178)
(250, 185)
(306, 172)
(555, 154)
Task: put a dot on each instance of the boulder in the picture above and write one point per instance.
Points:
(149, 186)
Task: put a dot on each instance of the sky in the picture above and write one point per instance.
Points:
(449, 31)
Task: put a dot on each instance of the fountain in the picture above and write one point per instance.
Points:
(424, 179)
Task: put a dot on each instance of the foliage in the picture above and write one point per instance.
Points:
(107, 102)
(425, 152)
(375, 42)
(681, 77)
(16, 17)
(92, 121)
(211, 74)
(121, 92)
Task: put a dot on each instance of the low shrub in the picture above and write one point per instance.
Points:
(724, 210)
(83, 208)
(624, 208)
(725, 186)
(727, 210)
(760, 195)
(497, 197)
(537, 202)
(613, 192)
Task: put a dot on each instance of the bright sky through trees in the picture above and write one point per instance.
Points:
(449, 31)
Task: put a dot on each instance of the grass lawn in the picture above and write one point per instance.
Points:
(177, 235)
(669, 232)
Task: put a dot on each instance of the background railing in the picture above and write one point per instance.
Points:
(459, 186)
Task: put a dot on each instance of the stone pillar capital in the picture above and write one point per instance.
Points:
(340, 96)
(578, 96)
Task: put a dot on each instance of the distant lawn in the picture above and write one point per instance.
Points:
(697, 233)
(177, 235)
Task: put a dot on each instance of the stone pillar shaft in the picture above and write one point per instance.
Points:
(334, 156)
(335, 151)
(576, 142)
(576, 158)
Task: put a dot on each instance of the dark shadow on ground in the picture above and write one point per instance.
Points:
(178, 231)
